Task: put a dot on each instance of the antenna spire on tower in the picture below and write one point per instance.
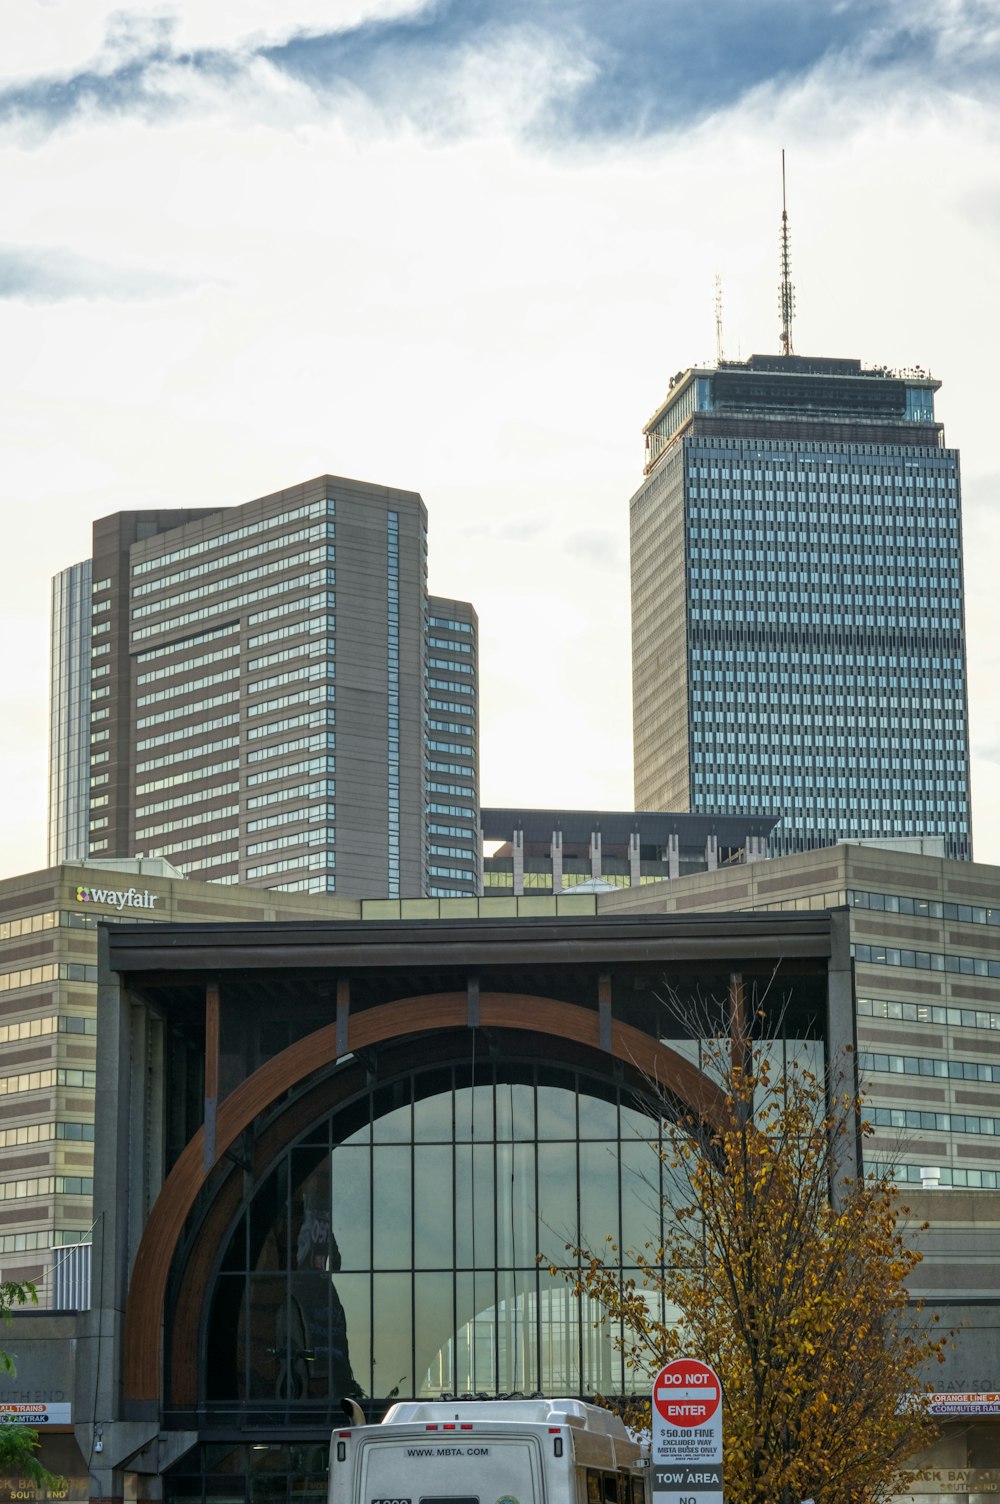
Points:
(786, 292)
(718, 320)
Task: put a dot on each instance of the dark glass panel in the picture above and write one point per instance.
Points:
(599, 1196)
(392, 1335)
(474, 1105)
(517, 1330)
(640, 1179)
(598, 1110)
(517, 1237)
(474, 1206)
(392, 1117)
(433, 1110)
(391, 1207)
(353, 1293)
(350, 1182)
(433, 1334)
(557, 1201)
(432, 1207)
(556, 1105)
(475, 1357)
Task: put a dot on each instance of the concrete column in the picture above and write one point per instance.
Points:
(555, 852)
(755, 848)
(595, 853)
(517, 850)
(633, 859)
(712, 853)
(841, 1037)
(674, 854)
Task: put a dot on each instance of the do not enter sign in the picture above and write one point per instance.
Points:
(687, 1392)
(687, 1434)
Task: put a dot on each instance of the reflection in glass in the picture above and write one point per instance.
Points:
(389, 1261)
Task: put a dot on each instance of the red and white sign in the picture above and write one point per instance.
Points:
(686, 1442)
(687, 1393)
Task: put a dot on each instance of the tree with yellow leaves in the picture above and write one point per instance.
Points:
(788, 1276)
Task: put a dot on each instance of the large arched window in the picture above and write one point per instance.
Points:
(393, 1248)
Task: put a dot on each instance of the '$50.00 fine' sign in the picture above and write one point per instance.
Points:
(687, 1434)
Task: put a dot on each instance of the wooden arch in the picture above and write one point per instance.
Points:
(144, 1310)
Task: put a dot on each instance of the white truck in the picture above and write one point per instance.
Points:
(523, 1451)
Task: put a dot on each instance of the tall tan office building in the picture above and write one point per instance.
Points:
(274, 698)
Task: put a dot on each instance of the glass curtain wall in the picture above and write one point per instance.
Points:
(394, 1249)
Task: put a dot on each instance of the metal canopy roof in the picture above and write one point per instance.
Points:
(617, 825)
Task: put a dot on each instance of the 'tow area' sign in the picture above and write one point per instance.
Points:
(687, 1434)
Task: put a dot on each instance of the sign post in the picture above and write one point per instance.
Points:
(687, 1434)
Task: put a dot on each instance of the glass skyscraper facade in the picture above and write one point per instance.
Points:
(69, 715)
(797, 598)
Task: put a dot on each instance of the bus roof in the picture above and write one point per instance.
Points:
(553, 1412)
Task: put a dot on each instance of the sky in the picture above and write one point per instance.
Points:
(460, 246)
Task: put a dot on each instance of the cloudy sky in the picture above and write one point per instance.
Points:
(461, 247)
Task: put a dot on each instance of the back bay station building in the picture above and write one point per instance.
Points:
(329, 1154)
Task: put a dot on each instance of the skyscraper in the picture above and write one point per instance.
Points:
(276, 699)
(798, 640)
(69, 714)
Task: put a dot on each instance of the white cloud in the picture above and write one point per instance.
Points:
(56, 38)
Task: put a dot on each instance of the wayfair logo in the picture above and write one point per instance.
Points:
(119, 898)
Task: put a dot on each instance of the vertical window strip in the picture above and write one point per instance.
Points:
(392, 603)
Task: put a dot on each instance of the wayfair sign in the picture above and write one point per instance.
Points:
(687, 1434)
(118, 898)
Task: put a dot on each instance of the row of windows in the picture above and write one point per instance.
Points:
(456, 668)
(179, 665)
(187, 754)
(452, 647)
(210, 817)
(936, 1122)
(451, 767)
(318, 534)
(323, 741)
(324, 694)
(451, 872)
(923, 908)
(452, 686)
(144, 811)
(922, 960)
(43, 1133)
(173, 649)
(285, 655)
(188, 686)
(191, 776)
(310, 861)
(321, 790)
(307, 673)
(322, 835)
(925, 1065)
(30, 1242)
(208, 838)
(452, 809)
(295, 629)
(458, 747)
(245, 577)
(181, 732)
(323, 508)
(450, 707)
(450, 830)
(293, 817)
(37, 1080)
(447, 788)
(970, 1180)
(462, 852)
(449, 624)
(325, 601)
(312, 719)
(236, 603)
(928, 1013)
(34, 1028)
(327, 884)
(51, 971)
(198, 709)
(293, 769)
(47, 1185)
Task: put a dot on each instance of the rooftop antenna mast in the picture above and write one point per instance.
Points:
(718, 320)
(786, 292)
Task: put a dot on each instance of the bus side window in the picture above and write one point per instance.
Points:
(594, 1495)
(638, 1491)
(610, 1488)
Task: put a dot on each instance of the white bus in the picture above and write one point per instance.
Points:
(530, 1451)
